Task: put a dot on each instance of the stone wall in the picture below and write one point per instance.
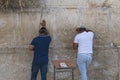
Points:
(62, 17)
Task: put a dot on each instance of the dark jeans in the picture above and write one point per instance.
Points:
(43, 70)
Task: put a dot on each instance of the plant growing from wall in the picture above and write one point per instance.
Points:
(19, 5)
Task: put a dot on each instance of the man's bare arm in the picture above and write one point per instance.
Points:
(75, 45)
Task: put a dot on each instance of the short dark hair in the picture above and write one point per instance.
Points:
(43, 30)
(82, 29)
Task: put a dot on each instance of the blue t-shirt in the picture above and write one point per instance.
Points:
(41, 49)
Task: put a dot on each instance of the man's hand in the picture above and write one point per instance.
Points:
(43, 23)
(31, 47)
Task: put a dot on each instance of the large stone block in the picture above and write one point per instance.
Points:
(7, 29)
(104, 3)
(15, 65)
(67, 3)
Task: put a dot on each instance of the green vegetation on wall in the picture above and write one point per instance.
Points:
(18, 5)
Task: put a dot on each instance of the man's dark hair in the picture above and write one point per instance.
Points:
(43, 30)
(82, 29)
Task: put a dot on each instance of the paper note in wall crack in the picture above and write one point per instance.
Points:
(63, 65)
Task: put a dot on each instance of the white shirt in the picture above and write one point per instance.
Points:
(85, 42)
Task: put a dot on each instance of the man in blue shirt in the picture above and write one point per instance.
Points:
(40, 45)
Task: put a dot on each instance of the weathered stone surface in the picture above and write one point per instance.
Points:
(15, 65)
(104, 3)
(62, 17)
(66, 3)
(7, 31)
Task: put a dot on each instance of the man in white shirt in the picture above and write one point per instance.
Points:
(83, 41)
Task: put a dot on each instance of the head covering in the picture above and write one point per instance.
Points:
(82, 26)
